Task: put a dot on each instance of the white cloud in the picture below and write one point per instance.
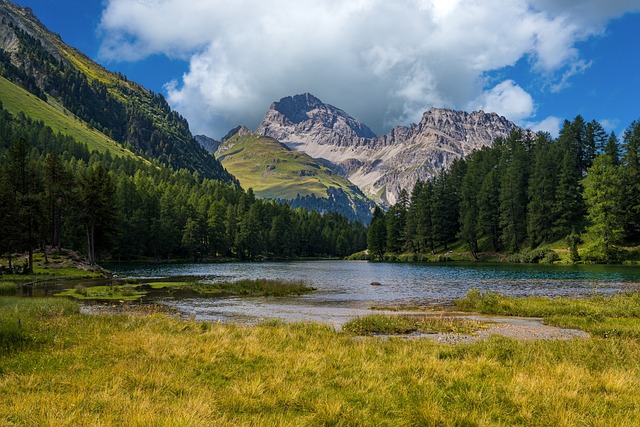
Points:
(384, 62)
(551, 125)
(507, 99)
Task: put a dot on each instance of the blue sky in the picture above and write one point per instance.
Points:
(221, 64)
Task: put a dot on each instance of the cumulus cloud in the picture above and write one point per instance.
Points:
(383, 62)
(550, 124)
(507, 99)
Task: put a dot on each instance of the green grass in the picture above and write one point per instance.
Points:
(103, 293)
(61, 264)
(407, 324)
(15, 100)
(128, 291)
(69, 369)
(600, 315)
(7, 287)
(273, 171)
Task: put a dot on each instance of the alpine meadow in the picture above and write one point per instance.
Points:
(190, 237)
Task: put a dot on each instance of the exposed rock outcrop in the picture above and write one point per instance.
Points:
(380, 165)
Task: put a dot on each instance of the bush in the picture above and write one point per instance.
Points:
(536, 256)
(601, 255)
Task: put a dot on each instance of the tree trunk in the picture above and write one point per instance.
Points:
(91, 254)
(30, 261)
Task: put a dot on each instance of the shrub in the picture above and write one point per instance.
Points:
(536, 256)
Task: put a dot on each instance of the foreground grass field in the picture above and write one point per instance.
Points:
(61, 368)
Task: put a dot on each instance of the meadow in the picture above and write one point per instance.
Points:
(59, 367)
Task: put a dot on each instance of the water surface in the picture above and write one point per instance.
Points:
(345, 290)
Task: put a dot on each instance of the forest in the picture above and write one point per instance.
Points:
(522, 193)
(134, 117)
(55, 193)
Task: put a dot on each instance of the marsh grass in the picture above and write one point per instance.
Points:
(133, 291)
(599, 314)
(408, 324)
(103, 293)
(8, 288)
(152, 370)
(263, 287)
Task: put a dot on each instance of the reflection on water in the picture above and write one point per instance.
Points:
(345, 290)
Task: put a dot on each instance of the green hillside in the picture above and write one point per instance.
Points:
(17, 100)
(275, 172)
(38, 60)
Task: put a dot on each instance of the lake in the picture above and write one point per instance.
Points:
(345, 290)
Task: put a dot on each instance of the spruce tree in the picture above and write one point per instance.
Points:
(377, 234)
(605, 206)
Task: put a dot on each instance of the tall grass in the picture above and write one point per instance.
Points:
(407, 324)
(601, 315)
(154, 370)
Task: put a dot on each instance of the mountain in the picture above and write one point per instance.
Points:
(274, 171)
(380, 165)
(127, 114)
(209, 144)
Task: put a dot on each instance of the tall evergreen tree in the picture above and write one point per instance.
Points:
(377, 234)
(605, 205)
(569, 206)
(542, 191)
(513, 192)
(25, 183)
(98, 208)
(631, 165)
(612, 149)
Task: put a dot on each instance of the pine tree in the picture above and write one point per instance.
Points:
(542, 191)
(612, 149)
(631, 165)
(377, 234)
(569, 206)
(513, 192)
(97, 196)
(605, 208)
(25, 183)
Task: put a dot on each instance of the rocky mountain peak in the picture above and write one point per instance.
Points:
(302, 113)
(238, 130)
(381, 166)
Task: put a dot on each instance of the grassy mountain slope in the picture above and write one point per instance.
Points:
(39, 61)
(17, 100)
(276, 172)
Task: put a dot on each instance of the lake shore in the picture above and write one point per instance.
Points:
(153, 369)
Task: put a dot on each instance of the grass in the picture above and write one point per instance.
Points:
(8, 288)
(15, 100)
(273, 171)
(600, 315)
(407, 324)
(61, 264)
(70, 369)
(128, 291)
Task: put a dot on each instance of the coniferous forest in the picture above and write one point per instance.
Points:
(522, 193)
(55, 192)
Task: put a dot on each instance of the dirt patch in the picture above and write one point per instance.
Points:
(520, 328)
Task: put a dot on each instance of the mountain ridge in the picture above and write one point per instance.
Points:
(134, 117)
(381, 166)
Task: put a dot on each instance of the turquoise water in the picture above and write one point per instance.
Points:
(344, 288)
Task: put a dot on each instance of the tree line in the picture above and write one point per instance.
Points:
(523, 192)
(55, 192)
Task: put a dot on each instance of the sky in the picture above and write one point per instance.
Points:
(222, 63)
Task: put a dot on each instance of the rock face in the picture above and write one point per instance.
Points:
(380, 165)
(209, 144)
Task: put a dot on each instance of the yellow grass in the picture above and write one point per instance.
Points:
(153, 370)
